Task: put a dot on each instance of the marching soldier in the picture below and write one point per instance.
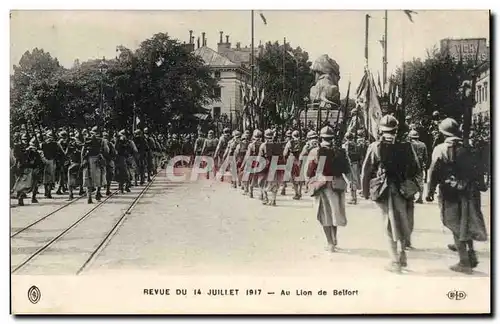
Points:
(421, 150)
(267, 150)
(329, 193)
(240, 153)
(150, 158)
(30, 165)
(94, 164)
(288, 138)
(63, 167)
(253, 149)
(110, 162)
(229, 153)
(53, 154)
(354, 153)
(388, 178)
(74, 170)
(198, 144)
(209, 147)
(221, 148)
(456, 170)
(312, 142)
(292, 150)
(125, 153)
(142, 157)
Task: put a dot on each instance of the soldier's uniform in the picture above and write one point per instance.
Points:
(150, 158)
(221, 148)
(292, 151)
(198, 144)
(312, 142)
(208, 149)
(239, 153)
(94, 164)
(229, 154)
(355, 155)
(288, 137)
(63, 167)
(253, 149)
(388, 178)
(421, 150)
(267, 150)
(142, 157)
(110, 162)
(74, 170)
(52, 155)
(455, 169)
(30, 166)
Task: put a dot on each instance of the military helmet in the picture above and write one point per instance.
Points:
(449, 127)
(312, 134)
(435, 113)
(413, 134)
(137, 132)
(63, 133)
(244, 136)
(361, 132)
(269, 133)
(210, 132)
(257, 134)
(94, 130)
(288, 133)
(295, 134)
(388, 123)
(24, 137)
(247, 131)
(327, 132)
(146, 130)
(236, 133)
(33, 142)
(226, 131)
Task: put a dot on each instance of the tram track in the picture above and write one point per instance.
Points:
(103, 242)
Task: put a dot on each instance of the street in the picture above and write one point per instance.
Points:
(206, 227)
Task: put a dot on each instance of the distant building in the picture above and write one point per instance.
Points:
(483, 104)
(466, 48)
(232, 67)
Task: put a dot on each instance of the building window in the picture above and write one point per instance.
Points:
(217, 93)
(485, 91)
(216, 112)
(478, 95)
(217, 74)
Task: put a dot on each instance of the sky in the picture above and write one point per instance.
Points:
(83, 35)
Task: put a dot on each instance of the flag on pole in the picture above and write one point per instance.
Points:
(379, 84)
(137, 120)
(263, 18)
(262, 94)
(409, 13)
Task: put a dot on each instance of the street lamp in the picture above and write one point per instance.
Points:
(103, 68)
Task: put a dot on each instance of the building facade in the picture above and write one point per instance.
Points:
(231, 66)
(483, 105)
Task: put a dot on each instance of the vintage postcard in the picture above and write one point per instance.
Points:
(250, 162)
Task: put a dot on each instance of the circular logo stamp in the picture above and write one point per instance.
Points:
(34, 294)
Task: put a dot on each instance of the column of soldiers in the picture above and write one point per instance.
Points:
(83, 160)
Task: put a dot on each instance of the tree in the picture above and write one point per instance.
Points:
(285, 75)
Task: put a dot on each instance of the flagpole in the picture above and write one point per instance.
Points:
(367, 22)
(384, 75)
(252, 66)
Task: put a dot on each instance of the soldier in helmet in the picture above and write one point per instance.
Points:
(62, 169)
(292, 151)
(110, 161)
(142, 157)
(421, 151)
(30, 165)
(455, 169)
(94, 164)
(221, 147)
(312, 142)
(198, 144)
(74, 169)
(239, 153)
(209, 147)
(229, 153)
(288, 138)
(388, 178)
(329, 188)
(268, 150)
(53, 154)
(150, 155)
(354, 153)
(253, 149)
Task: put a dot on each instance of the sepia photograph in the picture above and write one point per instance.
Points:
(253, 161)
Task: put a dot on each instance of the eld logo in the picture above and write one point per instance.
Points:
(456, 295)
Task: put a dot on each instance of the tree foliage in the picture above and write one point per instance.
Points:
(285, 75)
(158, 82)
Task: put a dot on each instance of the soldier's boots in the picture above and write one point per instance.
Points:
(108, 190)
(251, 193)
(98, 195)
(462, 268)
(33, 198)
(297, 196)
(20, 201)
(81, 192)
(403, 261)
(473, 259)
(283, 191)
(70, 195)
(419, 199)
(48, 194)
(59, 191)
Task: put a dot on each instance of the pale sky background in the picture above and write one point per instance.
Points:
(69, 35)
